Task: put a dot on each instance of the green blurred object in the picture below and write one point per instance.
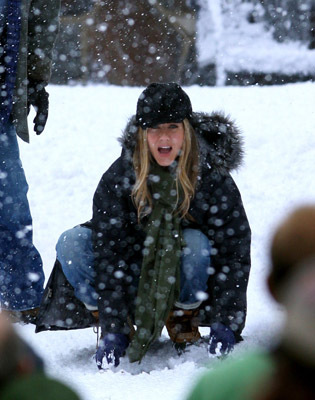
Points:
(37, 387)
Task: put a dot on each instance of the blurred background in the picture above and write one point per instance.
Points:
(204, 42)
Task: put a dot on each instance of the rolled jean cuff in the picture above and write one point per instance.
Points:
(90, 307)
(191, 306)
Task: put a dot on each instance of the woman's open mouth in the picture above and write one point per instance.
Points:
(164, 149)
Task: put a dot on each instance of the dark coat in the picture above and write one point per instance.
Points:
(216, 208)
(9, 48)
(39, 25)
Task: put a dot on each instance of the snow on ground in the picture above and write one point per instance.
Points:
(64, 165)
(238, 45)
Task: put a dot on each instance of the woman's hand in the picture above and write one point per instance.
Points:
(112, 346)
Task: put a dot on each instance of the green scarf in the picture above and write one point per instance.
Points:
(159, 283)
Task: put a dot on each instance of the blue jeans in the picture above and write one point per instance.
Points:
(194, 269)
(75, 254)
(21, 270)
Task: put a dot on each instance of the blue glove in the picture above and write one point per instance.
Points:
(222, 340)
(112, 346)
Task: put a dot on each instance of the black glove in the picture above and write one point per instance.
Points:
(38, 98)
(111, 348)
(222, 340)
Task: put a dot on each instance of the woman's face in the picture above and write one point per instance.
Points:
(165, 142)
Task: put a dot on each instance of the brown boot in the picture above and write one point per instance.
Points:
(131, 327)
(182, 326)
(24, 317)
(95, 315)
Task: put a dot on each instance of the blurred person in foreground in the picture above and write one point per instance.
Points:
(288, 370)
(22, 375)
(169, 241)
(28, 29)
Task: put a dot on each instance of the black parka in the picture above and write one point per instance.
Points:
(217, 211)
(39, 29)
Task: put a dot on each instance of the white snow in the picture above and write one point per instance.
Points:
(244, 46)
(64, 165)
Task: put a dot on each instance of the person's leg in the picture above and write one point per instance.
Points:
(182, 323)
(75, 254)
(194, 270)
(21, 270)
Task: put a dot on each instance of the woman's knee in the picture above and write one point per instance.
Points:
(196, 243)
(72, 239)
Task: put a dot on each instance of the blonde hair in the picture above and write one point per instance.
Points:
(186, 173)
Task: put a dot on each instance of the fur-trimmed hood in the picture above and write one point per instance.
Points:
(220, 140)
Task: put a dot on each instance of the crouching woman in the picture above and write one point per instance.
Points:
(169, 241)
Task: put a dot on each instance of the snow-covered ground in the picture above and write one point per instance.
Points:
(64, 165)
(225, 36)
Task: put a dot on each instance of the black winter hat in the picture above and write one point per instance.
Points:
(160, 103)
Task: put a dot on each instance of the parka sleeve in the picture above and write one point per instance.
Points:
(230, 235)
(43, 27)
(112, 245)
